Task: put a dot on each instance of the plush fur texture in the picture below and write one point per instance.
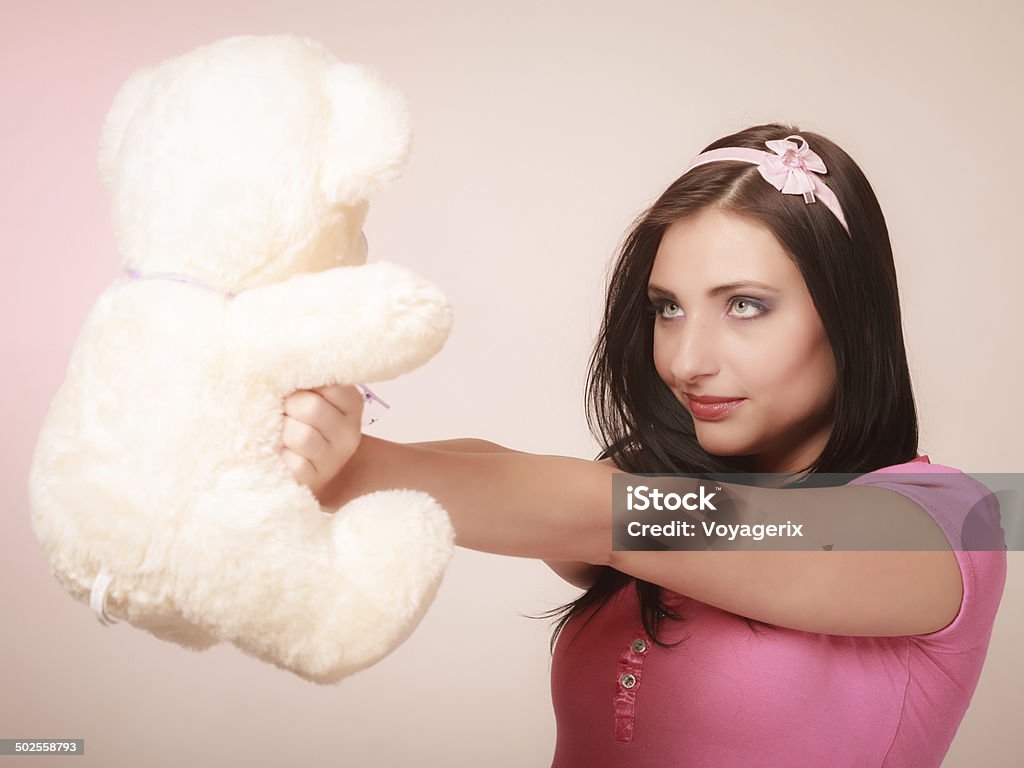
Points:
(246, 165)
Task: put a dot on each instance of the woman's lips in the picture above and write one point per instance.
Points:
(713, 408)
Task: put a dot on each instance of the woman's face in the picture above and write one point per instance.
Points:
(761, 344)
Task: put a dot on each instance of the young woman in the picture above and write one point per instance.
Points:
(752, 324)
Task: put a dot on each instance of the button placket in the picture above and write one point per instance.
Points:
(628, 675)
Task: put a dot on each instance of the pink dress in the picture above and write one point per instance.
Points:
(781, 698)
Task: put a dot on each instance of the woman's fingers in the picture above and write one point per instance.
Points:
(304, 439)
(346, 398)
(322, 430)
(302, 469)
(347, 401)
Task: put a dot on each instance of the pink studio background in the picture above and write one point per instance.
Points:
(541, 129)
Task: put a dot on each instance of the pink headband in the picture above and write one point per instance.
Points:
(792, 170)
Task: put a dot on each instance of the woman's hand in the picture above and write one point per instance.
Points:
(322, 429)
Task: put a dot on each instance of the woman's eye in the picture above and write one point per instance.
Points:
(657, 308)
(748, 308)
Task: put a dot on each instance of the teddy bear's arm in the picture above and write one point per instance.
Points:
(352, 324)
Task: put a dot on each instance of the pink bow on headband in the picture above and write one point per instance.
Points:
(787, 169)
(793, 170)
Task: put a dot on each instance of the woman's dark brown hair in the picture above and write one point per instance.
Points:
(852, 282)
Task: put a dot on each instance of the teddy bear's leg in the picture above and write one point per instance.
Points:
(400, 542)
(323, 595)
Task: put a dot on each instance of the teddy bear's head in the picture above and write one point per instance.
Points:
(248, 160)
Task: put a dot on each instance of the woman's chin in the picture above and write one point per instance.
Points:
(724, 445)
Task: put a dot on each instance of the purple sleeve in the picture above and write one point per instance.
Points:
(968, 514)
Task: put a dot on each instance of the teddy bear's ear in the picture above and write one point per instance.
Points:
(126, 104)
(368, 135)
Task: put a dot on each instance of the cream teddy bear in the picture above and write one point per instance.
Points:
(239, 175)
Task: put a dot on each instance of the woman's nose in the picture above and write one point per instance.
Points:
(696, 351)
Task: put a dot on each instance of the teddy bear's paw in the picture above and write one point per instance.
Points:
(413, 320)
(391, 549)
(356, 324)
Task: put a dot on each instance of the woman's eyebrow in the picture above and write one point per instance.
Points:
(656, 290)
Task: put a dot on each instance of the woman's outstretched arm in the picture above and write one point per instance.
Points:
(505, 502)
(580, 574)
(560, 509)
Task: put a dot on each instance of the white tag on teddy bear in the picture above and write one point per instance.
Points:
(98, 598)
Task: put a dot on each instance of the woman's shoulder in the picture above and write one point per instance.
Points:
(968, 513)
(930, 482)
(966, 509)
(921, 463)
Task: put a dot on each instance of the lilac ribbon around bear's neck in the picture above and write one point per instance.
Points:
(136, 275)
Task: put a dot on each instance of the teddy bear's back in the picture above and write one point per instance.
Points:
(145, 416)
